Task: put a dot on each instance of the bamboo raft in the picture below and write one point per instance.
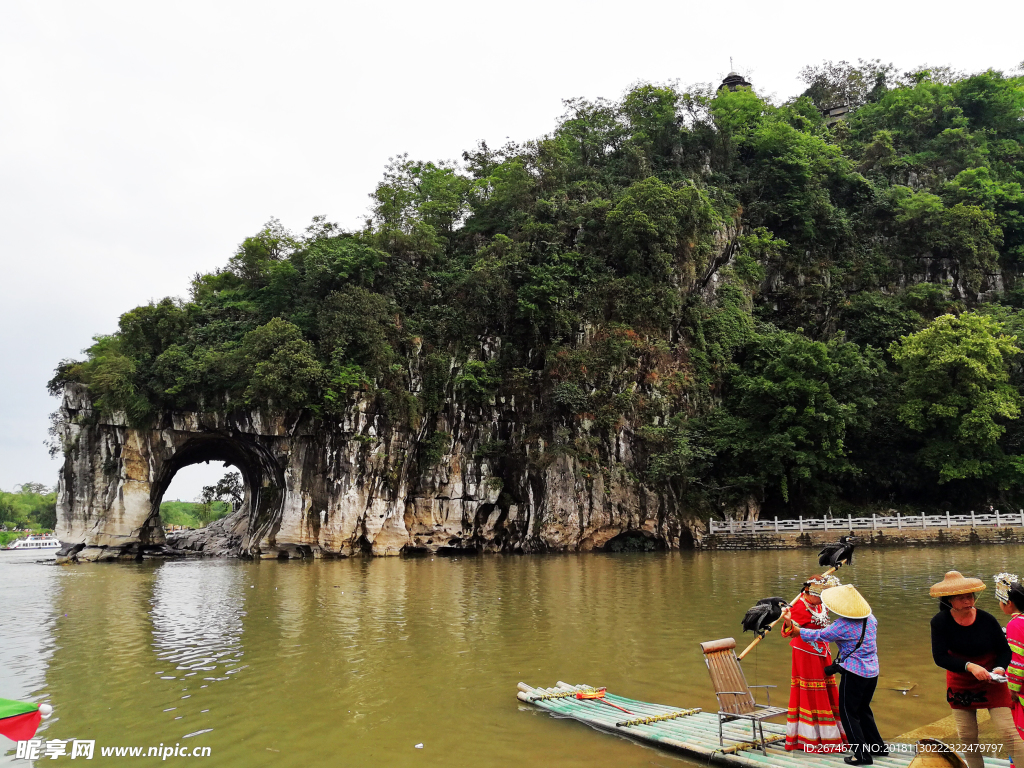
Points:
(693, 731)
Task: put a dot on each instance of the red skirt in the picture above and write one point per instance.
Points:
(813, 716)
(965, 691)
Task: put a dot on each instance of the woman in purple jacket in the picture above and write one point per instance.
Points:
(854, 631)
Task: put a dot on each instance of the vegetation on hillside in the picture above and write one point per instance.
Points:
(788, 314)
(192, 514)
(32, 506)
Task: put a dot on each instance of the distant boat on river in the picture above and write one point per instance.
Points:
(45, 541)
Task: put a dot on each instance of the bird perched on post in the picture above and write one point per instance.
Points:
(763, 614)
(838, 553)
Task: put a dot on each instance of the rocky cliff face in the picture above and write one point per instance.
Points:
(360, 484)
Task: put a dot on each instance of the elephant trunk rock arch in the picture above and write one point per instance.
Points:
(358, 484)
(114, 476)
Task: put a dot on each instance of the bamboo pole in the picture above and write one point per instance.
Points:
(759, 638)
(751, 745)
(658, 718)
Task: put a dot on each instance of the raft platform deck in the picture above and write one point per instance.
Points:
(694, 732)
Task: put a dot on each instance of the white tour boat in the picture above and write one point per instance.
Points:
(43, 541)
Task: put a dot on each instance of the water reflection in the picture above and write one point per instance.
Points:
(296, 663)
(197, 614)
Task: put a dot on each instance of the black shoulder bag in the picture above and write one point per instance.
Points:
(834, 667)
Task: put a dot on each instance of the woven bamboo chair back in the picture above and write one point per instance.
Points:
(727, 677)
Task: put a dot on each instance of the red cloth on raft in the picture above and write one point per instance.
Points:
(813, 717)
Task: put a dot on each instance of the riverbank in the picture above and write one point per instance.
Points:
(907, 537)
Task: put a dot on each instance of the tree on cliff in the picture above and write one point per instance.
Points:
(958, 395)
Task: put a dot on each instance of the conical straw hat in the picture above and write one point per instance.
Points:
(846, 601)
(954, 583)
(932, 753)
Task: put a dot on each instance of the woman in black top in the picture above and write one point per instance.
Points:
(953, 642)
(970, 645)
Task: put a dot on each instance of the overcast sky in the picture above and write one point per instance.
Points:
(141, 142)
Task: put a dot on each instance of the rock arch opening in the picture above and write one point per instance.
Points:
(188, 482)
(262, 480)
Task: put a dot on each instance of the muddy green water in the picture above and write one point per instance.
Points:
(355, 662)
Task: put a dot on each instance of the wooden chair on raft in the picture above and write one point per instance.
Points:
(735, 700)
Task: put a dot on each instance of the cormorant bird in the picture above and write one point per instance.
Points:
(760, 617)
(835, 555)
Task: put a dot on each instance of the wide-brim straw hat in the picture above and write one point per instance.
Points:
(955, 583)
(846, 601)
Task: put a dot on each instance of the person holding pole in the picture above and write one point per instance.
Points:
(813, 718)
(854, 631)
(969, 644)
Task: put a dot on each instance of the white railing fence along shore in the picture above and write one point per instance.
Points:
(900, 522)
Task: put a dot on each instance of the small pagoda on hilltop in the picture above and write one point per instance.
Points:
(734, 81)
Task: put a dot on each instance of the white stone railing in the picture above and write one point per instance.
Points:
(995, 519)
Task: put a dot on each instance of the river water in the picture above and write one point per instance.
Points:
(354, 662)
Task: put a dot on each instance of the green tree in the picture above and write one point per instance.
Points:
(879, 320)
(966, 234)
(285, 372)
(229, 488)
(957, 394)
(661, 233)
(785, 415)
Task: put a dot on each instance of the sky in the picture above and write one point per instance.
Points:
(140, 143)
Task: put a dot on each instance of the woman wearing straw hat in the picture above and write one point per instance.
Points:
(854, 631)
(813, 718)
(1010, 594)
(969, 644)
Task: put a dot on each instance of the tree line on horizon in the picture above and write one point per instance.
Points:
(788, 315)
(31, 506)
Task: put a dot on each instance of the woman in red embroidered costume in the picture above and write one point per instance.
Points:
(1010, 594)
(813, 717)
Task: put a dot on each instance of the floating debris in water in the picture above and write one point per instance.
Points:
(419, 746)
(197, 733)
(898, 685)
